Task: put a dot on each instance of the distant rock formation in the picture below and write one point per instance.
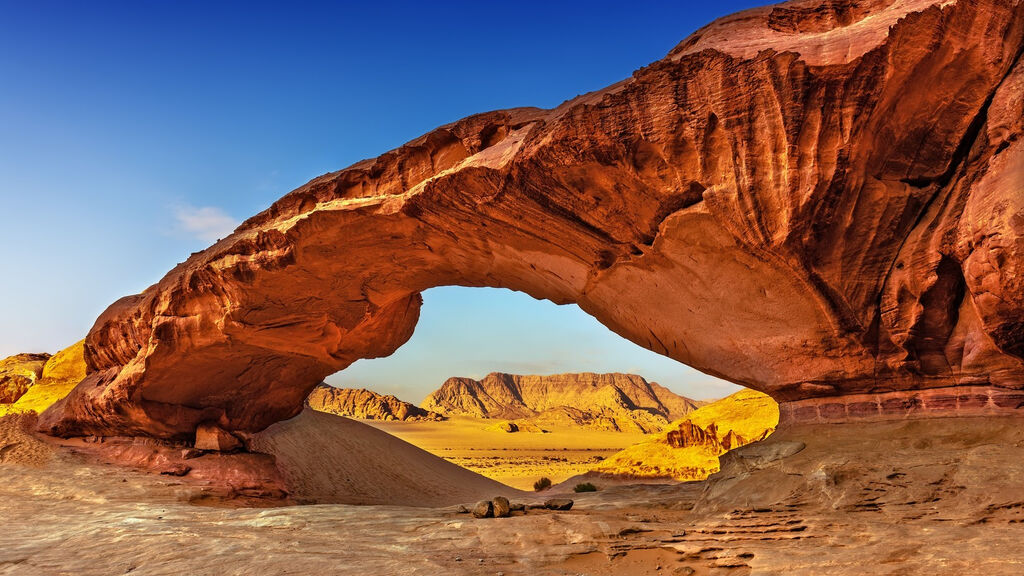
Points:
(18, 373)
(689, 449)
(32, 382)
(365, 404)
(618, 402)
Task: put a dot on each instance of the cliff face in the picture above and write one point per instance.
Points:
(359, 403)
(819, 200)
(604, 401)
(689, 448)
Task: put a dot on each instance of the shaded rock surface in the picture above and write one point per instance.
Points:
(213, 437)
(365, 404)
(601, 401)
(483, 509)
(502, 507)
(815, 199)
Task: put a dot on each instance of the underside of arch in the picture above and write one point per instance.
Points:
(842, 228)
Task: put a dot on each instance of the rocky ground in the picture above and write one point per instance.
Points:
(930, 497)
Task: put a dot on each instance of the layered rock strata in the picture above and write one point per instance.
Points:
(365, 404)
(614, 402)
(819, 199)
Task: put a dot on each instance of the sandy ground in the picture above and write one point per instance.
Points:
(935, 497)
(516, 459)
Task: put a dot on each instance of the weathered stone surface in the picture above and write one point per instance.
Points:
(614, 401)
(365, 404)
(500, 507)
(40, 388)
(558, 504)
(213, 437)
(813, 199)
(483, 509)
(18, 373)
(689, 449)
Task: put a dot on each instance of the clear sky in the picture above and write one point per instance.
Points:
(134, 133)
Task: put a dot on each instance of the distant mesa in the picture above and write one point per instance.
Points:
(365, 404)
(689, 448)
(612, 402)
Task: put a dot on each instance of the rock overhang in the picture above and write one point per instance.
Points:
(810, 225)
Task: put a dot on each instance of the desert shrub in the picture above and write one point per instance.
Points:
(585, 487)
(542, 484)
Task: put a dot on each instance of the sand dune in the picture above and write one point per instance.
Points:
(329, 459)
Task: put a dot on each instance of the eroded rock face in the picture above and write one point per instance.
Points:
(689, 449)
(365, 404)
(614, 402)
(18, 373)
(816, 199)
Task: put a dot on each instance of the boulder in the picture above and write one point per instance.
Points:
(558, 504)
(483, 509)
(500, 507)
(213, 437)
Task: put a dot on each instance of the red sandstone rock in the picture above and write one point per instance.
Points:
(816, 199)
(213, 437)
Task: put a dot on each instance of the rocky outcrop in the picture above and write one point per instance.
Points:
(44, 379)
(18, 373)
(364, 404)
(818, 199)
(690, 448)
(614, 401)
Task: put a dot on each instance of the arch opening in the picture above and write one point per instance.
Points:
(518, 390)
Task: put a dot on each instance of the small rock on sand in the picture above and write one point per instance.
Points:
(558, 504)
(176, 470)
(500, 507)
(483, 509)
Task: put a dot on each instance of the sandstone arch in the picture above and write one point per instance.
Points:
(822, 204)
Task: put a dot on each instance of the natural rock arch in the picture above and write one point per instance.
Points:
(824, 208)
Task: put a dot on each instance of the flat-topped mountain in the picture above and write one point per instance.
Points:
(365, 404)
(603, 401)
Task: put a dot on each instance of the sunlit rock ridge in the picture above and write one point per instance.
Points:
(613, 402)
(365, 404)
(818, 200)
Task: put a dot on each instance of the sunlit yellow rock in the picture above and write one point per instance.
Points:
(60, 374)
(689, 448)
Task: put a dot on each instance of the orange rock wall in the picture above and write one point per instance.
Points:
(816, 200)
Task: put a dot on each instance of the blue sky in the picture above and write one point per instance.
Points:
(134, 133)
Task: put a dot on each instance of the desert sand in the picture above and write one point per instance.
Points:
(516, 459)
(820, 200)
(805, 501)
